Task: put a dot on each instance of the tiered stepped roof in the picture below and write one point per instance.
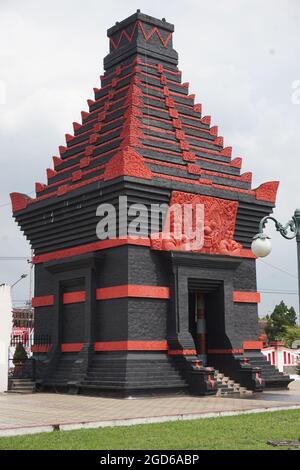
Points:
(144, 124)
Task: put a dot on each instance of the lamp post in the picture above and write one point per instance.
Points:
(20, 279)
(261, 244)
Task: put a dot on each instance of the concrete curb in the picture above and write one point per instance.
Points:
(133, 421)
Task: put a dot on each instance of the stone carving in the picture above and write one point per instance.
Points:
(219, 225)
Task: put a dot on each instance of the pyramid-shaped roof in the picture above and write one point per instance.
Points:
(145, 136)
(143, 123)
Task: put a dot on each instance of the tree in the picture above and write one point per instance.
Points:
(291, 334)
(280, 319)
(20, 354)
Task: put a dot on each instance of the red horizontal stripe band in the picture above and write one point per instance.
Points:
(132, 290)
(105, 244)
(40, 348)
(74, 297)
(131, 346)
(182, 352)
(249, 297)
(253, 345)
(90, 247)
(42, 301)
(71, 347)
(225, 351)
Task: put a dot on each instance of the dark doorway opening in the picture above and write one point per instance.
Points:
(206, 314)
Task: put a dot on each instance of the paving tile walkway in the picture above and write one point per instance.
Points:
(34, 412)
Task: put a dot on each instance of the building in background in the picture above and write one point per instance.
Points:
(23, 321)
(5, 332)
(285, 359)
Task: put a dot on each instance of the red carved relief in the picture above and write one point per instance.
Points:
(97, 127)
(179, 134)
(19, 201)
(219, 225)
(177, 123)
(84, 162)
(50, 173)
(76, 126)
(62, 190)
(39, 187)
(101, 116)
(76, 175)
(267, 191)
(89, 151)
(213, 130)
(69, 138)
(57, 161)
(62, 149)
(206, 120)
(219, 141)
(84, 115)
(236, 162)
(184, 145)
(93, 138)
(194, 169)
(188, 156)
(226, 152)
(246, 176)
(173, 113)
(170, 102)
(128, 162)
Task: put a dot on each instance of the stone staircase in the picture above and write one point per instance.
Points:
(271, 375)
(21, 386)
(227, 386)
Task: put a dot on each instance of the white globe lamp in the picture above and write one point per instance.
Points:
(261, 245)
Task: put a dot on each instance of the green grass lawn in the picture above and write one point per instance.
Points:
(233, 432)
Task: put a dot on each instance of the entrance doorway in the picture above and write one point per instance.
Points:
(206, 318)
(197, 326)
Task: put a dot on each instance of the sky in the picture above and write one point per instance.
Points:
(241, 58)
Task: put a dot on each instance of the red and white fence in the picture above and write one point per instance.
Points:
(280, 356)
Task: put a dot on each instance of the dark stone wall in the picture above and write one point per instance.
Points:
(111, 320)
(147, 319)
(245, 321)
(113, 269)
(244, 277)
(44, 281)
(43, 324)
(146, 267)
(72, 317)
(228, 323)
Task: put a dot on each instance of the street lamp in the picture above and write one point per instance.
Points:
(20, 279)
(261, 243)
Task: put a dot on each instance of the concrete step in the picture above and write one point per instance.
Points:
(22, 386)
